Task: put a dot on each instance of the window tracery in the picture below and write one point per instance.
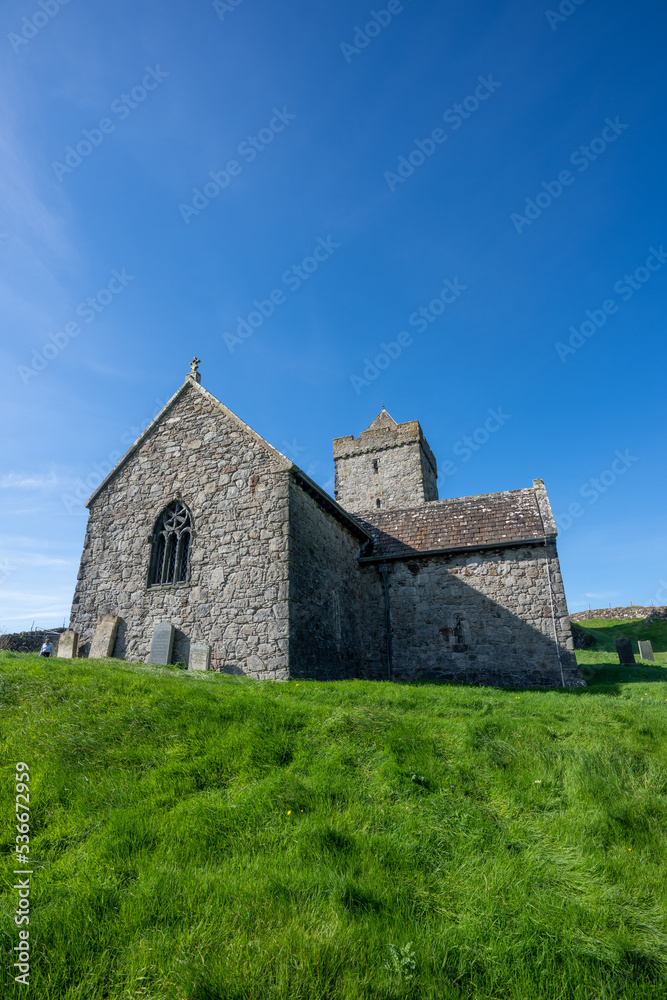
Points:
(172, 542)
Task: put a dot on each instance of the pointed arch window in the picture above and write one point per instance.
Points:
(172, 538)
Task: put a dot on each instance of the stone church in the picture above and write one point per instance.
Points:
(205, 526)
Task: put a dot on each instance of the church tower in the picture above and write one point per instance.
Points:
(389, 466)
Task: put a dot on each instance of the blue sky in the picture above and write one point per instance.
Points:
(363, 160)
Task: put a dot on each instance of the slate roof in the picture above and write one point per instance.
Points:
(466, 522)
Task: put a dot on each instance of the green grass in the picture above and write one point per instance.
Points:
(606, 632)
(204, 836)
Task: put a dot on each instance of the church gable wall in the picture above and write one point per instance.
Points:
(471, 617)
(324, 592)
(236, 597)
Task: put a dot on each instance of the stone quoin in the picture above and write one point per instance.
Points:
(203, 526)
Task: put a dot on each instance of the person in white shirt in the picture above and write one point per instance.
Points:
(47, 648)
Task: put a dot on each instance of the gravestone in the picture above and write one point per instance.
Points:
(624, 650)
(105, 636)
(162, 643)
(646, 650)
(200, 656)
(68, 644)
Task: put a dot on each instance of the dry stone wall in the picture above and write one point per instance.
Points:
(236, 596)
(29, 642)
(620, 613)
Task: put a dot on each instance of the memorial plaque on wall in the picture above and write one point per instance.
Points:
(104, 639)
(200, 656)
(162, 643)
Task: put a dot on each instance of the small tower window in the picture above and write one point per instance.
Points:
(170, 553)
(375, 465)
(378, 502)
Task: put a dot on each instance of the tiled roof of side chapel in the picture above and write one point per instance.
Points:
(478, 522)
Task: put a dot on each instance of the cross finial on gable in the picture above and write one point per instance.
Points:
(194, 369)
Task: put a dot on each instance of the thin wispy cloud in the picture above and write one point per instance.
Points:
(30, 481)
(23, 542)
(36, 562)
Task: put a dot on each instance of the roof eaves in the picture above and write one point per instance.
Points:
(481, 546)
(330, 504)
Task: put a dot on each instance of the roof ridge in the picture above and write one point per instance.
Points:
(430, 504)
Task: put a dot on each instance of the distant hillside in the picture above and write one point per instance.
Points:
(209, 837)
(603, 634)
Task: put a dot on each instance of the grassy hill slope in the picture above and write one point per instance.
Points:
(606, 632)
(204, 836)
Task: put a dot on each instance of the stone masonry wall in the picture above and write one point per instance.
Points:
(405, 475)
(480, 617)
(236, 597)
(324, 592)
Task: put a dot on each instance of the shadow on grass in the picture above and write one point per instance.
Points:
(610, 677)
(605, 677)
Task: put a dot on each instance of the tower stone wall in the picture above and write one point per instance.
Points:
(388, 466)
